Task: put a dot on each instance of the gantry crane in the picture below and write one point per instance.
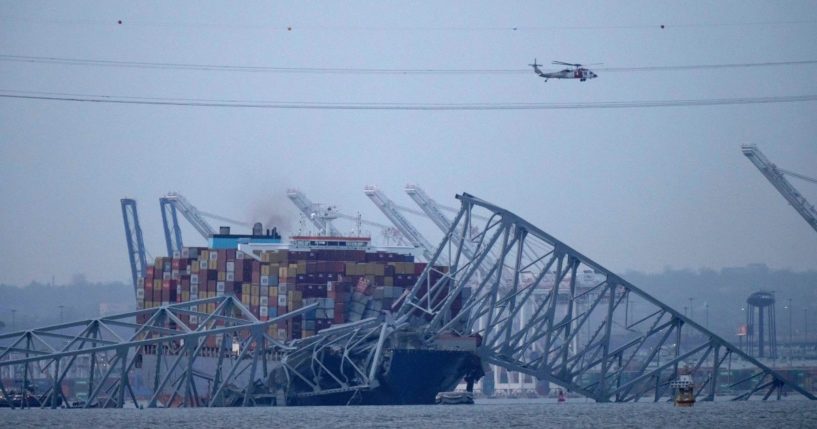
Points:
(390, 209)
(776, 177)
(173, 202)
(432, 210)
(133, 236)
(319, 217)
(176, 202)
(310, 211)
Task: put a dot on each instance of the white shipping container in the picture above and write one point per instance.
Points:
(194, 279)
(202, 265)
(213, 255)
(264, 280)
(230, 266)
(230, 277)
(194, 290)
(140, 293)
(220, 287)
(194, 319)
(262, 311)
(263, 301)
(219, 293)
(282, 300)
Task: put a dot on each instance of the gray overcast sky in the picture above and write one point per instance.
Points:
(636, 188)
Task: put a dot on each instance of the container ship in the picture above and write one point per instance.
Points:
(347, 277)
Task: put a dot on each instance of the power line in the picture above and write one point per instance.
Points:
(112, 99)
(297, 26)
(706, 66)
(353, 70)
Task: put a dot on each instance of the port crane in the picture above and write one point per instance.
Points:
(310, 211)
(171, 204)
(133, 238)
(432, 210)
(174, 203)
(321, 218)
(776, 176)
(390, 209)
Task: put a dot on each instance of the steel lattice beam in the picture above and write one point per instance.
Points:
(607, 340)
(116, 345)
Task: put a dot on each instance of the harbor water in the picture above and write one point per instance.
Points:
(485, 414)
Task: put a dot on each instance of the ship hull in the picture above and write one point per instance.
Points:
(413, 377)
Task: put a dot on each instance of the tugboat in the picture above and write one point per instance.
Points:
(684, 385)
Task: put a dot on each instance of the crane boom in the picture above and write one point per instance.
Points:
(429, 207)
(190, 212)
(775, 176)
(408, 230)
(309, 209)
(432, 210)
(133, 237)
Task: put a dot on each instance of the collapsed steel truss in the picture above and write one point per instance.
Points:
(508, 282)
(116, 345)
(607, 340)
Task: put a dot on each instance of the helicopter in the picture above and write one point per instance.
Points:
(577, 72)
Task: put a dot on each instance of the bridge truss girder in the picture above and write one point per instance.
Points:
(609, 340)
(115, 346)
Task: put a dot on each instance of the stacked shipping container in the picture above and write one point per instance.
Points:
(348, 285)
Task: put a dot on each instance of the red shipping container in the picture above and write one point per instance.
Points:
(340, 313)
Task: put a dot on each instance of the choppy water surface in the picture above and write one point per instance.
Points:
(486, 414)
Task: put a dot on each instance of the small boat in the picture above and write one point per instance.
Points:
(454, 398)
(685, 396)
